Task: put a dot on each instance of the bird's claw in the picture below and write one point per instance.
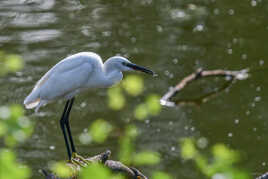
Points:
(78, 158)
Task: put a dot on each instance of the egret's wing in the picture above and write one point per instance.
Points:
(64, 81)
(64, 65)
(67, 75)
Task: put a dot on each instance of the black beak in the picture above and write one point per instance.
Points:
(139, 68)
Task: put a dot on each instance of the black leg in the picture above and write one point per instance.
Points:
(68, 125)
(62, 125)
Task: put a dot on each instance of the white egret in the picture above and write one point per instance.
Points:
(72, 75)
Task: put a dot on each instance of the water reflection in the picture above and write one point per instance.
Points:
(174, 38)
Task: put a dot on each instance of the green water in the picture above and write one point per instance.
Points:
(173, 38)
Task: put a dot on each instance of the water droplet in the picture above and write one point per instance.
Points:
(52, 147)
(155, 75)
(261, 62)
(229, 51)
(171, 75)
(186, 127)
(159, 28)
(254, 129)
(199, 27)
(192, 6)
(85, 138)
(253, 3)
(263, 163)
(235, 40)
(247, 112)
(244, 56)
(175, 60)
(106, 33)
(83, 104)
(166, 72)
(258, 88)
(202, 142)
(236, 121)
(4, 112)
(257, 98)
(216, 11)
(173, 148)
(230, 134)
(228, 78)
(133, 39)
(231, 12)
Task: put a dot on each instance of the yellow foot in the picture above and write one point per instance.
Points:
(76, 157)
(76, 162)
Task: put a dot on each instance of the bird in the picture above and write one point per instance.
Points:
(72, 75)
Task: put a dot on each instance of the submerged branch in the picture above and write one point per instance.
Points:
(115, 166)
(165, 100)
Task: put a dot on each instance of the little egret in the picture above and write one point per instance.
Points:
(72, 75)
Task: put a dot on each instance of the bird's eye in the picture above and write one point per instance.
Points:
(124, 63)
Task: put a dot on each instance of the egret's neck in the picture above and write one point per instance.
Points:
(112, 74)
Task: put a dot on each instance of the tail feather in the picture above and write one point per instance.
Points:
(32, 100)
(32, 104)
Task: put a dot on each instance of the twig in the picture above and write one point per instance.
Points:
(239, 75)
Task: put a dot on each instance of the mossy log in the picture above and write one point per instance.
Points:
(115, 166)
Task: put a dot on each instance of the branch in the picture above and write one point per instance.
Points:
(115, 166)
(234, 75)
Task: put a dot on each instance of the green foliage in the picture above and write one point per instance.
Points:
(150, 107)
(10, 63)
(146, 158)
(10, 168)
(153, 104)
(141, 111)
(61, 169)
(127, 152)
(95, 170)
(221, 164)
(100, 130)
(14, 127)
(188, 149)
(116, 99)
(126, 144)
(133, 85)
(160, 175)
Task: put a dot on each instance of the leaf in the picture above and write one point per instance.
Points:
(133, 85)
(61, 169)
(95, 170)
(146, 158)
(141, 111)
(10, 168)
(116, 99)
(188, 150)
(160, 175)
(99, 130)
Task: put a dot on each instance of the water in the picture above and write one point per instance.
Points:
(174, 38)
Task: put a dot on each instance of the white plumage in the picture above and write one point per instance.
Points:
(76, 73)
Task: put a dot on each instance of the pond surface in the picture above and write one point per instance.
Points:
(173, 38)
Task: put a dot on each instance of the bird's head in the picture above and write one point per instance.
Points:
(124, 64)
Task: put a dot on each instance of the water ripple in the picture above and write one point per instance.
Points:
(39, 35)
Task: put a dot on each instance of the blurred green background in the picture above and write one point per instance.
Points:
(173, 38)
